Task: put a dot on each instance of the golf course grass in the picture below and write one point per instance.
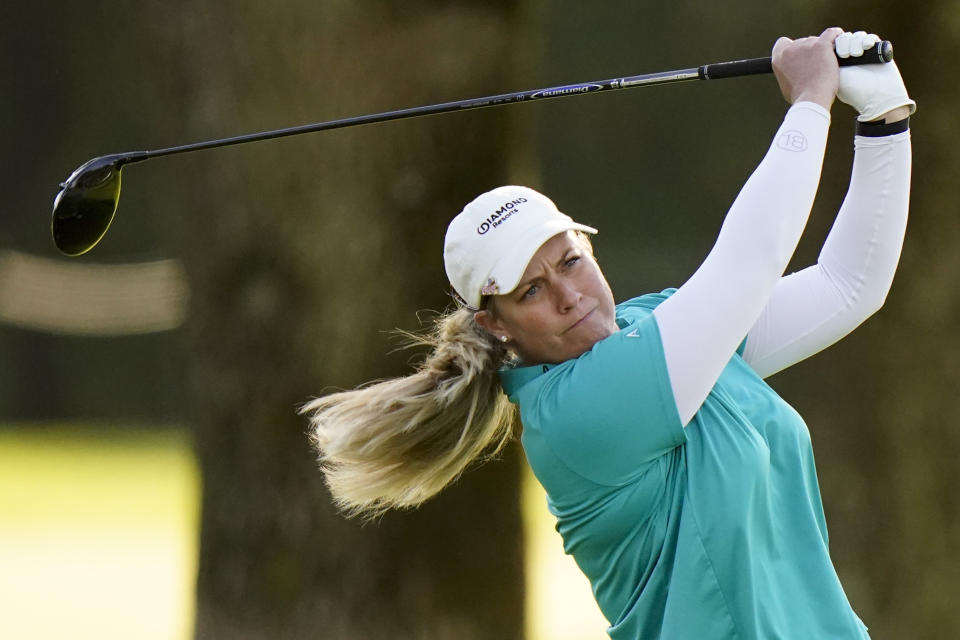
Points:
(98, 533)
(99, 530)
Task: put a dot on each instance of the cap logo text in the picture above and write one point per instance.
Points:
(500, 215)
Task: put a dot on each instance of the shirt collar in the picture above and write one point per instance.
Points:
(516, 375)
(512, 378)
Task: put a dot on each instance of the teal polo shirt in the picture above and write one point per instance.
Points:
(713, 531)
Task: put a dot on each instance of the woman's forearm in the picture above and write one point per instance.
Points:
(704, 322)
(812, 309)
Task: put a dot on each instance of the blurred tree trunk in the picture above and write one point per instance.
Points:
(301, 254)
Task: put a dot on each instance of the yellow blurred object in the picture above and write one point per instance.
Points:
(98, 534)
(560, 604)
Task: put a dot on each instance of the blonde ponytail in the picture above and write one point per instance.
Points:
(396, 443)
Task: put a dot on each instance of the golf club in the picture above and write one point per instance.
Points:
(87, 202)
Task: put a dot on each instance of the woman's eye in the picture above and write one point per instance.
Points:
(572, 261)
(532, 291)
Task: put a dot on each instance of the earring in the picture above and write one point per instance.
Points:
(504, 339)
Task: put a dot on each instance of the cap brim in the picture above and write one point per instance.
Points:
(509, 269)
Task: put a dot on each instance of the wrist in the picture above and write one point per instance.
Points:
(894, 115)
(821, 98)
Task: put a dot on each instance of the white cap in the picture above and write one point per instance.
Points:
(489, 244)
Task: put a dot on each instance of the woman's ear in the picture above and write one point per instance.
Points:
(489, 323)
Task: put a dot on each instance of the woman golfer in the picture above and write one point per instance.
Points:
(682, 484)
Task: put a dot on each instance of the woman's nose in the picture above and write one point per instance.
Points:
(568, 297)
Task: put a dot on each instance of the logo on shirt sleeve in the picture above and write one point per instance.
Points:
(792, 140)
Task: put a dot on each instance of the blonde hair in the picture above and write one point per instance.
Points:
(396, 443)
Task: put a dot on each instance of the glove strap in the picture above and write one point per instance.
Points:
(881, 129)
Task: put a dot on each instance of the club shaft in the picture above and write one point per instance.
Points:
(882, 52)
(444, 107)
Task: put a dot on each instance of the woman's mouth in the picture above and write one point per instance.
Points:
(580, 321)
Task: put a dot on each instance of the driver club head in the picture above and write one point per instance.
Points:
(86, 204)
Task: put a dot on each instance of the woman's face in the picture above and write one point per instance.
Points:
(561, 308)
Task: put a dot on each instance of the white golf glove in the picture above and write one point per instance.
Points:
(871, 89)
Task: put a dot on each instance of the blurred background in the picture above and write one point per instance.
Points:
(155, 480)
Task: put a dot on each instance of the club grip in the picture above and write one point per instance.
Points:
(881, 52)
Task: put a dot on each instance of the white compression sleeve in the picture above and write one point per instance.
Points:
(813, 308)
(703, 323)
